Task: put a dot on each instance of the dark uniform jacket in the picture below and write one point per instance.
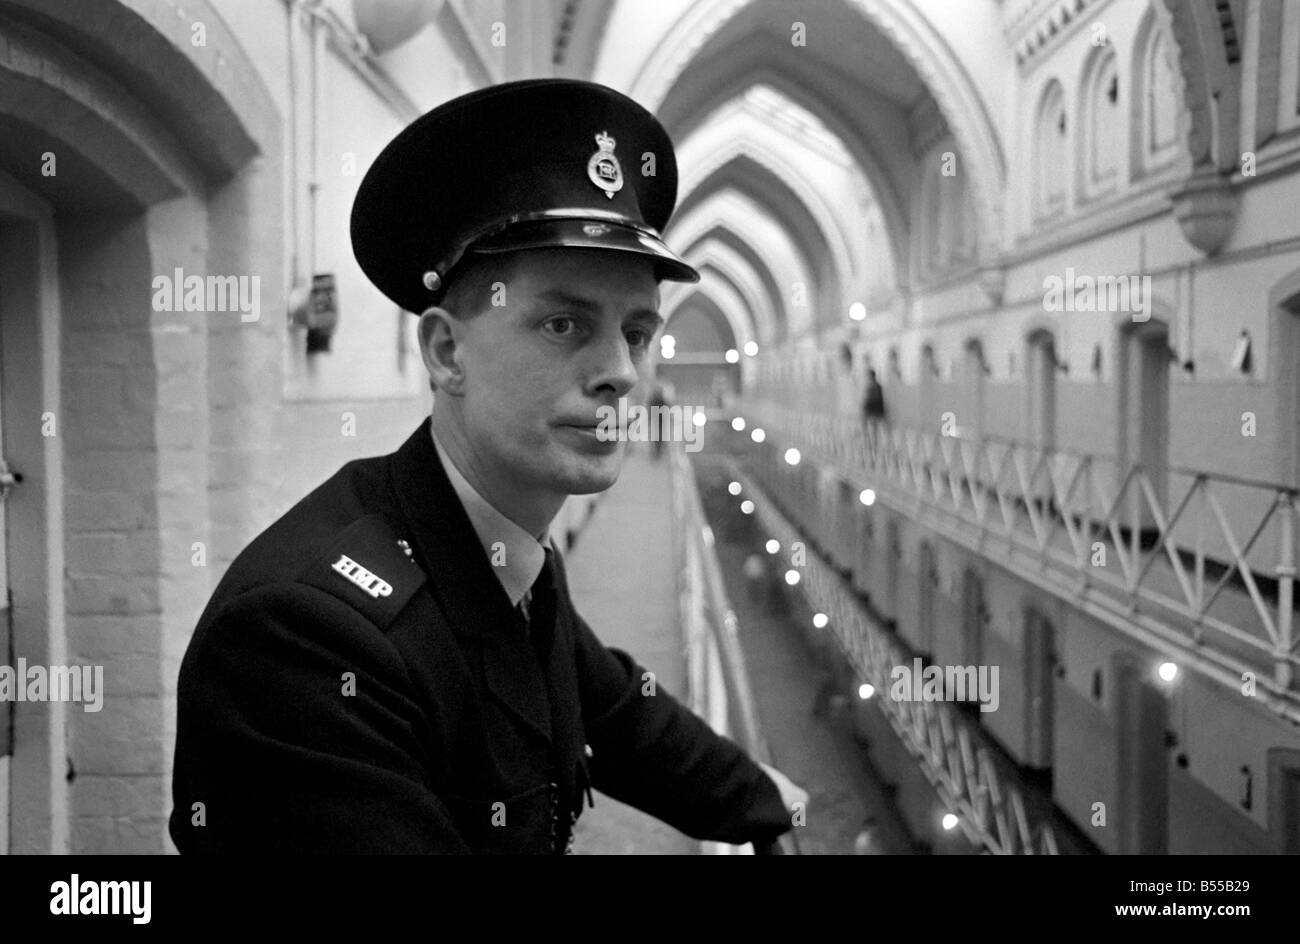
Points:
(392, 702)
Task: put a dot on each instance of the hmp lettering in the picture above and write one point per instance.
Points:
(103, 898)
(375, 586)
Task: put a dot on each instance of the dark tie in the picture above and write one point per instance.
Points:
(538, 605)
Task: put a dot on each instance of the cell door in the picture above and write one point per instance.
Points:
(1141, 719)
(1040, 681)
(974, 614)
(927, 584)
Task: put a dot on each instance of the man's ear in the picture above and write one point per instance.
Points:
(441, 337)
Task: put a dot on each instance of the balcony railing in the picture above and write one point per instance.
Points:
(991, 810)
(719, 688)
(1187, 560)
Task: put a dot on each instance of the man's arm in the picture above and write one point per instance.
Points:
(652, 752)
(287, 753)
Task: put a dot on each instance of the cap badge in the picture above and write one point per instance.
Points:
(603, 169)
(595, 229)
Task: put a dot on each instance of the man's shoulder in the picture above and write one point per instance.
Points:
(343, 538)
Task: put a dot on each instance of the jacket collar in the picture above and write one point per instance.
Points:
(522, 554)
(470, 593)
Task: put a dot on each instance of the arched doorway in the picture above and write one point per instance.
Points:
(1040, 389)
(974, 369)
(33, 789)
(928, 422)
(125, 174)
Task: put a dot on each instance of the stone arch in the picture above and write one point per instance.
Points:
(1211, 84)
(730, 76)
(740, 220)
(794, 203)
(1150, 30)
(710, 312)
(155, 144)
(209, 99)
(737, 272)
(717, 292)
(733, 241)
(910, 31)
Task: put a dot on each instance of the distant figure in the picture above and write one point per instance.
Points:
(846, 385)
(829, 702)
(755, 570)
(868, 841)
(721, 387)
(873, 401)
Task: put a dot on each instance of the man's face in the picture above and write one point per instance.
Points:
(573, 336)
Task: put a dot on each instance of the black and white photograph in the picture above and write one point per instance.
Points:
(652, 427)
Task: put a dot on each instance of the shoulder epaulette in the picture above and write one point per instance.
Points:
(369, 566)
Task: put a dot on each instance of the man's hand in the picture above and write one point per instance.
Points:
(791, 793)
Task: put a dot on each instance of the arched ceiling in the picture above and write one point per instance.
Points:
(780, 260)
(880, 74)
(823, 249)
(712, 289)
(723, 236)
(730, 266)
(701, 319)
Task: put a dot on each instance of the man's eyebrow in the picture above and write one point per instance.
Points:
(559, 296)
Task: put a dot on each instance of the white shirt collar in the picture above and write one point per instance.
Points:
(517, 557)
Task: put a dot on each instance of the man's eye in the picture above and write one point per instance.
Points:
(638, 338)
(562, 327)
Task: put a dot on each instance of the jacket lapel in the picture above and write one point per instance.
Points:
(461, 579)
(562, 682)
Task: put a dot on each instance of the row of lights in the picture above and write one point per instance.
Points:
(793, 457)
(668, 349)
(819, 620)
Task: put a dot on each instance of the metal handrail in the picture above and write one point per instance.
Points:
(711, 631)
(964, 479)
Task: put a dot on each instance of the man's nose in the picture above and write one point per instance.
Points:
(613, 371)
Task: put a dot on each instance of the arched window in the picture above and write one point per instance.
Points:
(1104, 125)
(1156, 100)
(1050, 154)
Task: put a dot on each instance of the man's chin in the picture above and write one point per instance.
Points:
(586, 475)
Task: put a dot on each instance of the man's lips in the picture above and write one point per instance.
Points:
(595, 429)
